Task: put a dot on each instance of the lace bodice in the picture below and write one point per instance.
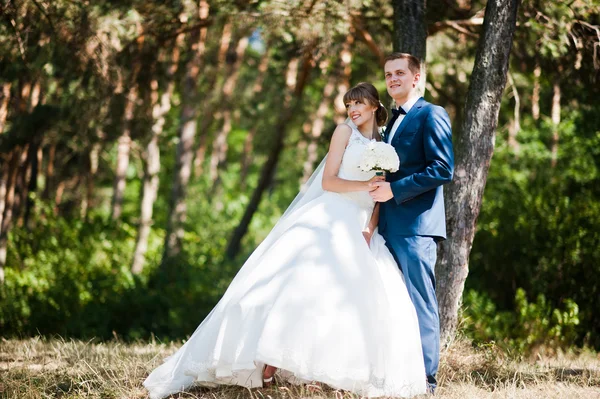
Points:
(349, 170)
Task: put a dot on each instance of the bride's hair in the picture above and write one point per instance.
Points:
(367, 93)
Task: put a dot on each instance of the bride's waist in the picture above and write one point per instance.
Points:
(362, 199)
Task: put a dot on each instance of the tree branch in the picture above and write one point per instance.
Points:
(170, 35)
(45, 14)
(368, 39)
(458, 25)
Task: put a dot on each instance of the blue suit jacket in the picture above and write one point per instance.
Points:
(423, 142)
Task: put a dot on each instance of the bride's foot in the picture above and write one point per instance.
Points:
(315, 386)
(268, 373)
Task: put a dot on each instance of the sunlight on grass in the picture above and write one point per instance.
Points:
(58, 368)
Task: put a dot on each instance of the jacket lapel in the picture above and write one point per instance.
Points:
(407, 118)
(388, 129)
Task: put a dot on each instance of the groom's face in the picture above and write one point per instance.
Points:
(399, 79)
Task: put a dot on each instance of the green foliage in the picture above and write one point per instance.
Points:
(528, 327)
(72, 277)
(538, 229)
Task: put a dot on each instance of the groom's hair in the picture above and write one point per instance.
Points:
(413, 62)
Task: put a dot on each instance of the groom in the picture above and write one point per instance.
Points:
(412, 218)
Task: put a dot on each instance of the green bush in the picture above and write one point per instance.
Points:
(538, 230)
(531, 325)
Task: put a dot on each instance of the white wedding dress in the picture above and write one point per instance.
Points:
(314, 301)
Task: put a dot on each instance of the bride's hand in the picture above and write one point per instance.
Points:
(370, 186)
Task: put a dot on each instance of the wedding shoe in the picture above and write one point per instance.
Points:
(267, 375)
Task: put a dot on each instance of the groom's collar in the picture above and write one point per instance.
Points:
(410, 103)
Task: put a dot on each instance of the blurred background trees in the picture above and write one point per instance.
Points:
(147, 147)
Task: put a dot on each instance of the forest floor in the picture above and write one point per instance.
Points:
(66, 369)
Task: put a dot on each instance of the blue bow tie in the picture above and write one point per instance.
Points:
(398, 111)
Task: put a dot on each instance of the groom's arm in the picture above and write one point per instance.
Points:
(439, 158)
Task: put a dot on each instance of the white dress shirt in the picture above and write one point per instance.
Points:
(406, 107)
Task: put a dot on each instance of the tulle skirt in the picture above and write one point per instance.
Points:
(315, 301)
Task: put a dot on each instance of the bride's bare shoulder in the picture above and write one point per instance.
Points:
(343, 129)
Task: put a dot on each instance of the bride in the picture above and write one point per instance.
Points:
(321, 298)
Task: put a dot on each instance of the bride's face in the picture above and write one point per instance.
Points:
(360, 112)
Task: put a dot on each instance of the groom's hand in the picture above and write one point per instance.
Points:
(383, 191)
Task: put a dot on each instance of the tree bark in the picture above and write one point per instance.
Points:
(473, 148)
(535, 95)
(32, 177)
(30, 96)
(4, 100)
(152, 165)
(3, 188)
(12, 169)
(219, 151)
(410, 32)
(358, 27)
(209, 105)
(49, 180)
(185, 147)
(21, 184)
(249, 140)
(150, 192)
(555, 115)
(93, 159)
(123, 151)
(410, 29)
(295, 88)
(515, 127)
(344, 83)
(318, 124)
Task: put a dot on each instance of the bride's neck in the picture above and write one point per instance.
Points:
(365, 131)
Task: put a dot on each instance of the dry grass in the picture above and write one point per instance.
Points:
(38, 368)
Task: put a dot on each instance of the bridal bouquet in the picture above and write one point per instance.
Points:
(381, 157)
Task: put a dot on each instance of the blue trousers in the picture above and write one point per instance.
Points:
(416, 256)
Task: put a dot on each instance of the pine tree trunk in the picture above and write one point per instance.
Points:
(515, 127)
(93, 159)
(249, 140)
(20, 196)
(219, 151)
(4, 100)
(535, 96)
(185, 147)
(318, 124)
(293, 96)
(555, 115)
(123, 151)
(210, 104)
(32, 177)
(30, 95)
(152, 166)
(150, 192)
(410, 29)
(11, 172)
(344, 82)
(33, 159)
(358, 27)
(3, 187)
(4, 160)
(49, 180)
(410, 32)
(474, 147)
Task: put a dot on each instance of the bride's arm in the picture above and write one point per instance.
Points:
(331, 181)
(368, 232)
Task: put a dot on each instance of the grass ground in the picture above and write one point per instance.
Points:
(39, 368)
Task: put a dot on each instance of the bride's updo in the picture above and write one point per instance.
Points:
(367, 93)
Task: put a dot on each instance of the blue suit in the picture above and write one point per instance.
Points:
(414, 219)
